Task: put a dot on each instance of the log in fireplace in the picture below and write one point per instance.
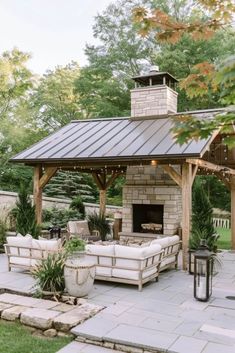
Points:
(144, 215)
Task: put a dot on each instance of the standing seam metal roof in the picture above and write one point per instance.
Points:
(110, 139)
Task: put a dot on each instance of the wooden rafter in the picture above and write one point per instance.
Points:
(211, 166)
(48, 174)
(225, 179)
(173, 174)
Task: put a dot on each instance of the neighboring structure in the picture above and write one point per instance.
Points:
(159, 172)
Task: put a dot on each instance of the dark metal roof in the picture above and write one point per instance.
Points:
(112, 139)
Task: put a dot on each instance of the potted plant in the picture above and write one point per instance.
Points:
(75, 247)
(99, 222)
(202, 223)
(49, 274)
(79, 272)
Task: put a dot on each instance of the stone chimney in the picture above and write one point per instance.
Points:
(154, 94)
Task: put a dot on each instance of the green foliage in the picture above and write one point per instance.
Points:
(74, 244)
(3, 229)
(217, 193)
(55, 101)
(70, 185)
(59, 217)
(49, 274)
(224, 241)
(202, 222)
(78, 205)
(17, 338)
(25, 214)
(99, 222)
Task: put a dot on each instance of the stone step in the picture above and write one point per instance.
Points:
(106, 333)
(79, 347)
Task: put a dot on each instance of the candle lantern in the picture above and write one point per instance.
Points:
(55, 232)
(203, 272)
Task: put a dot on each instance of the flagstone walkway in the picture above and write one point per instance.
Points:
(164, 317)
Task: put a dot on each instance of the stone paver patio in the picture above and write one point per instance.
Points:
(163, 317)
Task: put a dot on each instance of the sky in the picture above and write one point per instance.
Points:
(53, 31)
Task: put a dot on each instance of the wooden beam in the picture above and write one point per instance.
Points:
(37, 193)
(186, 209)
(211, 166)
(111, 179)
(224, 180)
(173, 174)
(98, 181)
(233, 211)
(48, 174)
(194, 173)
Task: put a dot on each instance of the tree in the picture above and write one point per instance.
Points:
(202, 222)
(25, 214)
(70, 185)
(55, 101)
(204, 76)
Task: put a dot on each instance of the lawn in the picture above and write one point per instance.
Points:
(15, 338)
(224, 241)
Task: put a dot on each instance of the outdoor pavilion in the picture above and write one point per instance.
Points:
(106, 147)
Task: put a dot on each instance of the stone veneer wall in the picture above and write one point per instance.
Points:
(153, 100)
(151, 185)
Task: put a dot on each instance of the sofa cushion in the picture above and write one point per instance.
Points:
(164, 242)
(22, 261)
(167, 261)
(21, 241)
(106, 250)
(131, 256)
(44, 247)
(133, 275)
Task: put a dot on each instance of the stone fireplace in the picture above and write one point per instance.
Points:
(151, 196)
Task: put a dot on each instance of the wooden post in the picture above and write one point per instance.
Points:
(37, 193)
(186, 209)
(102, 202)
(233, 211)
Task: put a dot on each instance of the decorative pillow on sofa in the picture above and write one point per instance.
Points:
(47, 246)
(164, 242)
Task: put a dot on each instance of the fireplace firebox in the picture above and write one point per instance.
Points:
(147, 214)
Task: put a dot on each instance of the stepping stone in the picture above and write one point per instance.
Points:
(13, 313)
(66, 321)
(77, 347)
(188, 344)
(39, 318)
(8, 298)
(4, 306)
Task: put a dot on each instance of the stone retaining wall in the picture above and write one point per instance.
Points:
(8, 200)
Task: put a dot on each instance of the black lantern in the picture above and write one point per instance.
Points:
(203, 272)
(55, 232)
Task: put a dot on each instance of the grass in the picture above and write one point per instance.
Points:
(224, 241)
(15, 338)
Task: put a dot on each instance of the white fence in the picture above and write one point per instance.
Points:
(221, 222)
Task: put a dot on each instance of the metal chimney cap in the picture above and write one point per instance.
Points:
(154, 68)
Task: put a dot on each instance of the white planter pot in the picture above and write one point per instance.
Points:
(79, 275)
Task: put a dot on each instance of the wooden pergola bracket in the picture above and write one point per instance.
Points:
(103, 184)
(173, 174)
(48, 174)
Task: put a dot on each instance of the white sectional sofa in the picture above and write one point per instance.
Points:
(126, 264)
(171, 247)
(133, 264)
(25, 252)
